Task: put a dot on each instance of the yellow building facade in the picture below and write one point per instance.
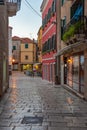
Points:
(27, 54)
(38, 65)
(40, 45)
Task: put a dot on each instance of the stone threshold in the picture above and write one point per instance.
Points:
(73, 91)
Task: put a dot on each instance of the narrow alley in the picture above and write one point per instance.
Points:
(34, 104)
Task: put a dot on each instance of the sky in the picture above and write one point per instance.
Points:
(26, 23)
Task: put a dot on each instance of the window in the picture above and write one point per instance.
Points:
(48, 47)
(49, 14)
(26, 57)
(54, 42)
(63, 21)
(14, 47)
(63, 24)
(54, 6)
(26, 45)
(51, 43)
(62, 2)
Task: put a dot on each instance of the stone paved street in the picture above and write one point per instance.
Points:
(34, 104)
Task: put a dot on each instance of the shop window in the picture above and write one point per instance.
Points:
(75, 73)
(82, 74)
(69, 72)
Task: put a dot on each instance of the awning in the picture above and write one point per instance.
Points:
(37, 64)
(73, 48)
(25, 63)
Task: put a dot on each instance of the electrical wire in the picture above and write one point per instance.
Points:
(32, 8)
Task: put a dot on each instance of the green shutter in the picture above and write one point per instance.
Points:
(14, 47)
(53, 10)
(26, 45)
(62, 2)
(55, 41)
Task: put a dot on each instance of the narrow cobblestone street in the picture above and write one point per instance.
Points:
(34, 104)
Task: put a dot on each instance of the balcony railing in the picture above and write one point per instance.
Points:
(1, 2)
(18, 2)
(75, 29)
(13, 6)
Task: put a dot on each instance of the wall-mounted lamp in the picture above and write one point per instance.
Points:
(69, 60)
(13, 60)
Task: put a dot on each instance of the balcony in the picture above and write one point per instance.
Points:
(75, 31)
(13, 6)
(1, 2)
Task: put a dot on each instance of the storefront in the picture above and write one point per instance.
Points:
(37, 68)
(49, 71)
(75, 72)
(74, 67)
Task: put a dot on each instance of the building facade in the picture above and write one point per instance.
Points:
(73, 51)
(16, 46)
(7, 8)
(27, 54)
(39, 44)
(48, 10)
(38, 65)
(10, 46)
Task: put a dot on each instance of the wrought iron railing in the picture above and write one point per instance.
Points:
(18, 2)
(1, 2)
(75, 27)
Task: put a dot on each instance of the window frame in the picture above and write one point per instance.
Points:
(26, 57)
(26, 45)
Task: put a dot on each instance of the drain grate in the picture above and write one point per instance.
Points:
(32, 120)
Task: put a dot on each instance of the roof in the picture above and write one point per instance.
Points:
(23, 40)
(16, 38)
(26, 40)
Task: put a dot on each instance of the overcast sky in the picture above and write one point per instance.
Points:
(27, 23)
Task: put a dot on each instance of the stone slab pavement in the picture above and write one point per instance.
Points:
(34, 104)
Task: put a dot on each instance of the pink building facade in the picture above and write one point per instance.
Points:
(48, 9)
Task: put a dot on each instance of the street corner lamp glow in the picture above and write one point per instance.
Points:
(13, 60)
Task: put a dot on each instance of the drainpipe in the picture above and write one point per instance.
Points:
(58, 40)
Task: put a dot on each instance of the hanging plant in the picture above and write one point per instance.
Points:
(72, 30)
(69, 33)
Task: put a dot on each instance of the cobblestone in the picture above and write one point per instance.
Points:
(34, 97)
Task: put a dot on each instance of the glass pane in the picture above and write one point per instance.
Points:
(76, 73)
(69, 72)
(82, 73)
